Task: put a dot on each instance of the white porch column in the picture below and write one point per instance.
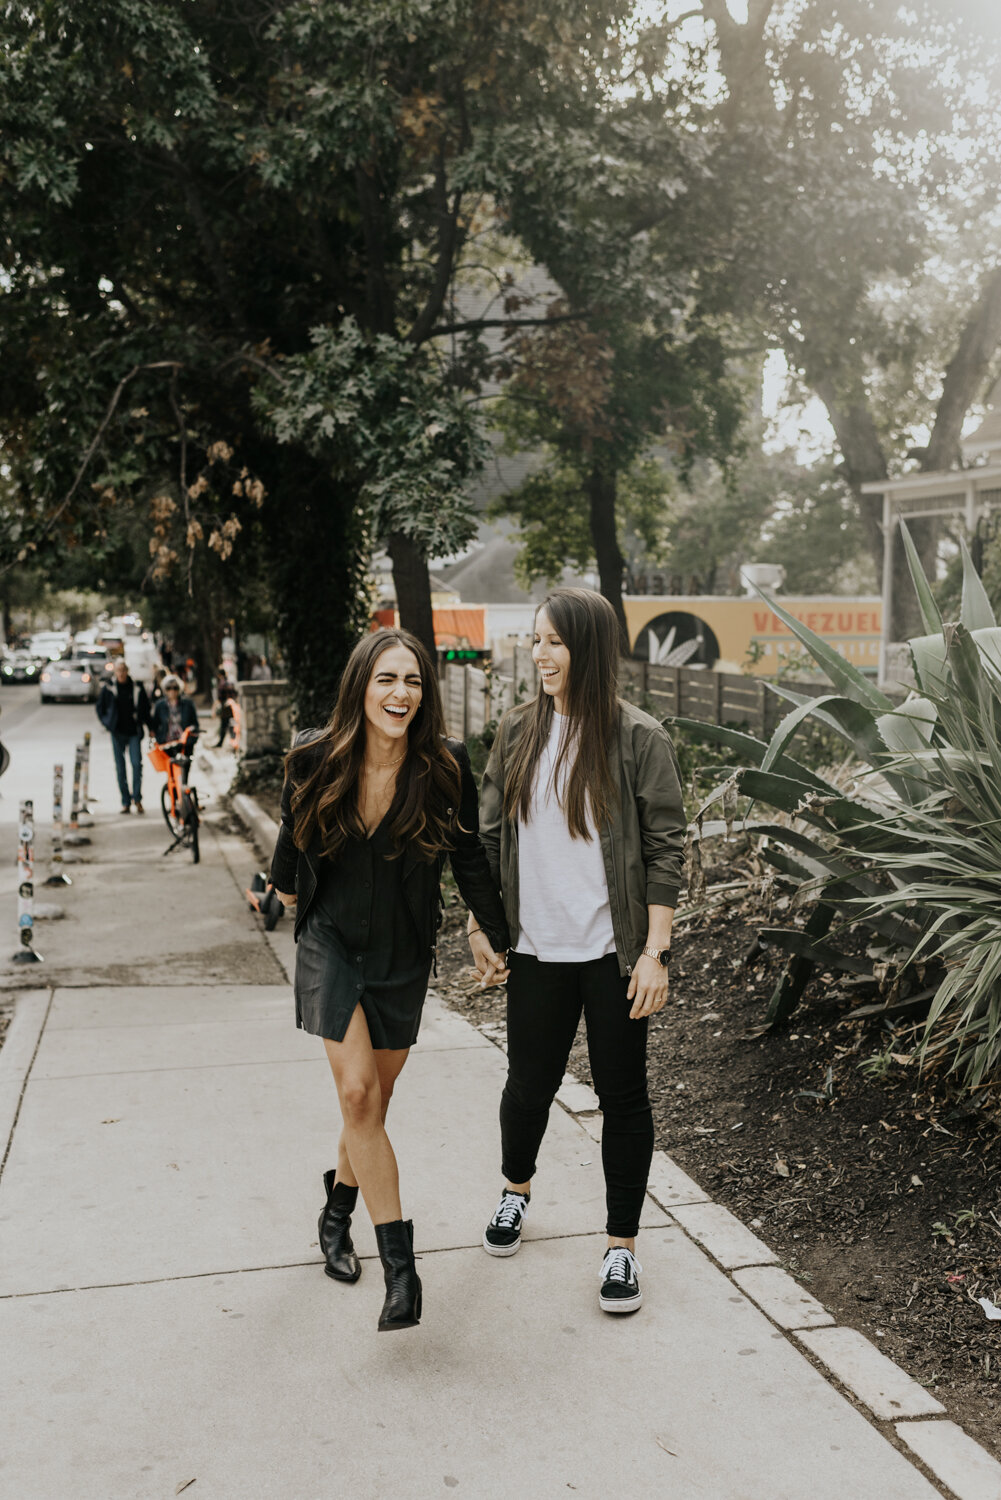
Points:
(889, 529)
(971, 506)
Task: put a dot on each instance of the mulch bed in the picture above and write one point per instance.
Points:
(882, 1196)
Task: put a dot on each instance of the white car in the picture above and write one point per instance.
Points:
(142, 658)
(49, 644)
(68, 682)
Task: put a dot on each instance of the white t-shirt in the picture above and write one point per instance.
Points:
(563, 909)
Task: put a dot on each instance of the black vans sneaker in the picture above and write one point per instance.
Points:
(502, 1235)
(620, 1289)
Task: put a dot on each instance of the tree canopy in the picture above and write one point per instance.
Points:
(237, 241)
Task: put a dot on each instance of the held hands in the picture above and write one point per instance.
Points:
(491, 967)
(286, 899)
(647, 988)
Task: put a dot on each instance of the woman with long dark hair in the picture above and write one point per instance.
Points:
(583, 822)
(370, 807)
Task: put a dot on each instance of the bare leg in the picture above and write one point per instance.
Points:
(389, 1064)
(365, 1080)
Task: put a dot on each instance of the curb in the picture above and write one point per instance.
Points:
(885, 1392)
(262, 828)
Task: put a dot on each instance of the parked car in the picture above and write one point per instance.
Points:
(68, 681)
(142, 658)
(112, 643)
(50, 644)
(19, 666)
(100, 663)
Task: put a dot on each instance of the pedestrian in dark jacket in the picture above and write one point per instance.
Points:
(123, 709)
(225, 694)
(584, 828)
(173, 713)
(371, 806)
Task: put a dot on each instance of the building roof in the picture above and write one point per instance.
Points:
(487, 575)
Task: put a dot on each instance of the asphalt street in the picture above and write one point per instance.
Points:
(37, 735)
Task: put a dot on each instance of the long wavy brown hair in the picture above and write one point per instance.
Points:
(585, 622)
(325, 771)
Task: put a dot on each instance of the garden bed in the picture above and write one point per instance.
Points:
(879, 1190)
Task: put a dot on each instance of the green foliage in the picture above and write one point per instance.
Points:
(915, 855)
(240, 225)
(812, 529)
(380, 415)
(554, 526)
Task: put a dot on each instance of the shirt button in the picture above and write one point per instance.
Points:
(364, 921)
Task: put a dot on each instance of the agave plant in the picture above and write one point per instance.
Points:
(912, 851)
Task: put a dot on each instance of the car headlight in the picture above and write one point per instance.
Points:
(45, 676)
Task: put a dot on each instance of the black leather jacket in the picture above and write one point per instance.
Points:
(297, 870)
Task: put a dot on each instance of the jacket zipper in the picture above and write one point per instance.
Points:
(618, 903)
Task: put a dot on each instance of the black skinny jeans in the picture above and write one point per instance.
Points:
(544, 1004)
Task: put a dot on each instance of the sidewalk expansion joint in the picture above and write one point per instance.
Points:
(282, 1265)
(260, 1062)
(24, 1084)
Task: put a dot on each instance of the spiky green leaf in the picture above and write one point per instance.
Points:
(930, 613)
(975, 610)
(852, 682)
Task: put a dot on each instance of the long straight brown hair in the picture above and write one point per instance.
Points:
(585, 622)
(325, 771)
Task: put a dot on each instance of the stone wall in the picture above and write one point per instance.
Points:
(266, 717)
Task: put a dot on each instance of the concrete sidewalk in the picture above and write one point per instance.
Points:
(166, 1323)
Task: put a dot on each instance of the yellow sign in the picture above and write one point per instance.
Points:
(745, 635)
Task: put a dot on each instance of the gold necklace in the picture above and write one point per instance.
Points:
(381, 765)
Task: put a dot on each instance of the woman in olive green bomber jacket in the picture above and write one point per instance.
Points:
(582, 818)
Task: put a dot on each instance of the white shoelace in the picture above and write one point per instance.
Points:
(509, 1210)
(620, 1264)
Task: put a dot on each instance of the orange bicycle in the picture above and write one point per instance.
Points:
(178, 798)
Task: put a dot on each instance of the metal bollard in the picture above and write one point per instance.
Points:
(57, 875)
(85, 819)
(26, 886)
(75, 837)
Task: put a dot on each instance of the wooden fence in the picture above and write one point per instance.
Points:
(474, 695)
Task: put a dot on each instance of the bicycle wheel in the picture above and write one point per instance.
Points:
(171, 819)
(192, 824)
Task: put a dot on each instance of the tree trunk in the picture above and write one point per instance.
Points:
(600, 487)
(413, 588)
(861, 453)
(316, 562)
(966, 376)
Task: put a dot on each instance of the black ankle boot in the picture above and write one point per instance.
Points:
(402, 1307)
(335, 1234)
